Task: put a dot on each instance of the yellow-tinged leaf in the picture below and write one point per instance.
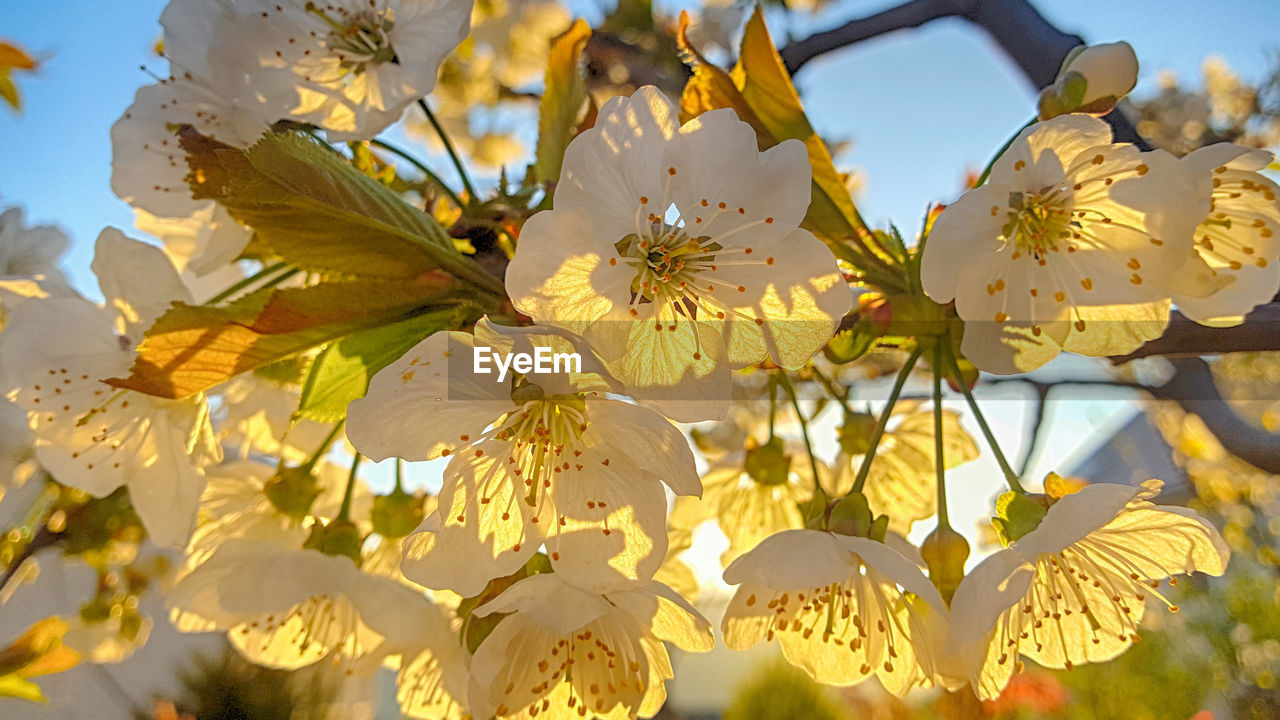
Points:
(711, 88)
(759, 89)
(191, 349)
(38, 651)
(11, 56)
(9, 91)
(310, 206)
(766, 86)
(562, 101)
(14, 686)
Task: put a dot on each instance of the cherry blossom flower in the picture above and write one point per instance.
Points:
(676, 252)
(750, 497)
(842, 608)
(902, 481)
(1065, 248)
(289, 607)
(204, 243)
(1237, 238)
(349, 66)
(237, 504)
(148, 167)
(30, 252)
(546, 458)
(433, 681)
(88, 435)
(564, 652)
(1074, 589)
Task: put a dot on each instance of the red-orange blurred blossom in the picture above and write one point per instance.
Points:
(1037, 691)
(877, 309)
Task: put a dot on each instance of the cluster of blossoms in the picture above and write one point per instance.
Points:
(677, 263)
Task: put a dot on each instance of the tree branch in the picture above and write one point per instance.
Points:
(908, 15)
(1022, 32)
(1259, 332)
(1193, 388)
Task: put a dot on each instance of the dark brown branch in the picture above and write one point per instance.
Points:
(1022, 32)
(1193, 388)
(44, 538)
(1184, 338)
(908, 15)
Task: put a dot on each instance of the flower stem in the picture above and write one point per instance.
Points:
(773, 403)
(939, 458)
(422, 167)
(448, 146)
(324, 446)
(344, 513)
(399, 473)
(898, 384)
(804, 432)
(837, 395)
(1010, 476)
(246, 282)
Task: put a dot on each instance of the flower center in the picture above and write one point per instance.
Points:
(358, 39)
(666, 260)
(541, 431)
(1037, 221)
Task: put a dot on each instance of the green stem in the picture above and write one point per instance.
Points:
(773, 403)
(804, 432)
(399, 471)
(448, 146)
(431, 175)
(344, 512)
(986, 172)
(939, 458)
(898, 384)
(324, 446)
(1010, 477)
(840, 397)
(241, 285)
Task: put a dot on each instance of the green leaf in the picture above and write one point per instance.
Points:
(634, 16)
(312, 208)
(190, 349)
(341, 373)
(562, 101)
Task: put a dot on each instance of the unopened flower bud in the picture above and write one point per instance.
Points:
(527, 392)
(856, 431)
(292, 491)
(396, 515)
(340, 537)
(1018, 514)
(945, 552)
(851, 516)
(1092, 80)
(768, 464)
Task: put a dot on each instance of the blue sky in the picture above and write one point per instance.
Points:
(920, 106)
